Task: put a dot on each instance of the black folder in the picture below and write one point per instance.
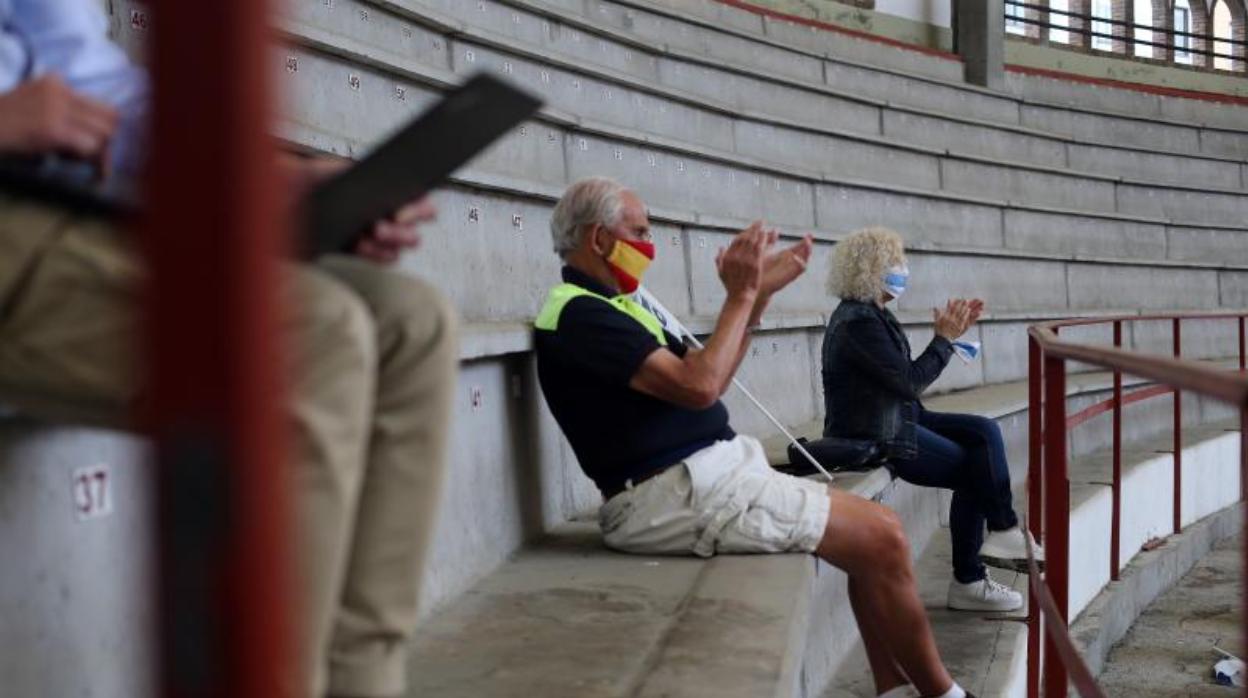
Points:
(338, 211)
(415, 160)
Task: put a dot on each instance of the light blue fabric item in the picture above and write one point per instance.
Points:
(896, 279)
(69, 38)
(966, 349)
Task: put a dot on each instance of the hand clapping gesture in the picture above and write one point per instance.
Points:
(957, 317)
(749, 264)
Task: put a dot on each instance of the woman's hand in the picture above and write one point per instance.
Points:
(954, 319)
(977, 309)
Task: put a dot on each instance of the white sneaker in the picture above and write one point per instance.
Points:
(1008, 550)
(984, 595)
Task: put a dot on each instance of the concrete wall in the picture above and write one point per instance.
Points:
(806, 142)
(920, 22)
(1210, 483)
(643, 94)
(926, 23)
(1030, 55)
(76, 595)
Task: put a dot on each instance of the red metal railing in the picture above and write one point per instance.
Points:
(1048, 479)
(212, 237)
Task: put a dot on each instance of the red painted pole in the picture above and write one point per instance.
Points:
(1178, 435)
(1115, 530)
(1243, 494)
(1035, 500)
(212, 238)
(1056, 514)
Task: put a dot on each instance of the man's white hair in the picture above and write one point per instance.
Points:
(586, 202)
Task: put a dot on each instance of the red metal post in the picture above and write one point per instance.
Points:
(1116, 517)
(1243, 494)
(1178, 435)
(1056, 514)
(1035, 500)
(212, 239)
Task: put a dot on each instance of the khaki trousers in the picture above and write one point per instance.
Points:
(373, 360)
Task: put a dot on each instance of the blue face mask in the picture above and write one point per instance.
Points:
(896, 278)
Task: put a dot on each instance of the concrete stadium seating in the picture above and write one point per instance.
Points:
(1048, 200)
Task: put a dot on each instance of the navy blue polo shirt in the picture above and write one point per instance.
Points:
(584, 366)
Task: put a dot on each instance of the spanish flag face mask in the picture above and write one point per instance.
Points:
(629, 260)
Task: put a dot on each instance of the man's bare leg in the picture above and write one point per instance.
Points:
(867, 541)
(884, 670)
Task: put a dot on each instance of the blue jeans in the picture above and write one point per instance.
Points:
(963, 453)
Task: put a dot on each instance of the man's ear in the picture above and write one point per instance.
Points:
(600, 241)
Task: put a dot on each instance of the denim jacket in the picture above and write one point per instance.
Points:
(871, 388)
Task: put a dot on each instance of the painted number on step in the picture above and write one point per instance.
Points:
(92, 492)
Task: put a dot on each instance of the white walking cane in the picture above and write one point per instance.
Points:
(670, 320)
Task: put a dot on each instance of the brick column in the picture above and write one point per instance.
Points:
(1123, 11)
(1239, 23)
(1163, 22)
(1203, 29)
(1036, 31)
(1078, 24)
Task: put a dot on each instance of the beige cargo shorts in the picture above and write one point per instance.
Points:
(722, 499)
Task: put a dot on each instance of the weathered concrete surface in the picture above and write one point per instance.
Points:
(1210, 484)
(567, 617)
(1168, 652)
(77, 590)
(981, 41)
(978, 138)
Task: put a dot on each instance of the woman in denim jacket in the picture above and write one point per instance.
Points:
(871, 389)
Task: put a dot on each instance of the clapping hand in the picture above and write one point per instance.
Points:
(957, 317)
(741, 265)
(782, 267)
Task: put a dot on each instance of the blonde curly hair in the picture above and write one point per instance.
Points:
(859, 261)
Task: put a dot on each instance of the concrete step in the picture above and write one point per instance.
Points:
(569, 618)
(1210, 474)
(1216, 112)
(77, 598)
(680, 618)
(987, 653)
(844, 44)
(883, 158)
(817, 39)
(1114, 611)
(1116, 107)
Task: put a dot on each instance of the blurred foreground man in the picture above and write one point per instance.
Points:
(373, 353)
(643, 414)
